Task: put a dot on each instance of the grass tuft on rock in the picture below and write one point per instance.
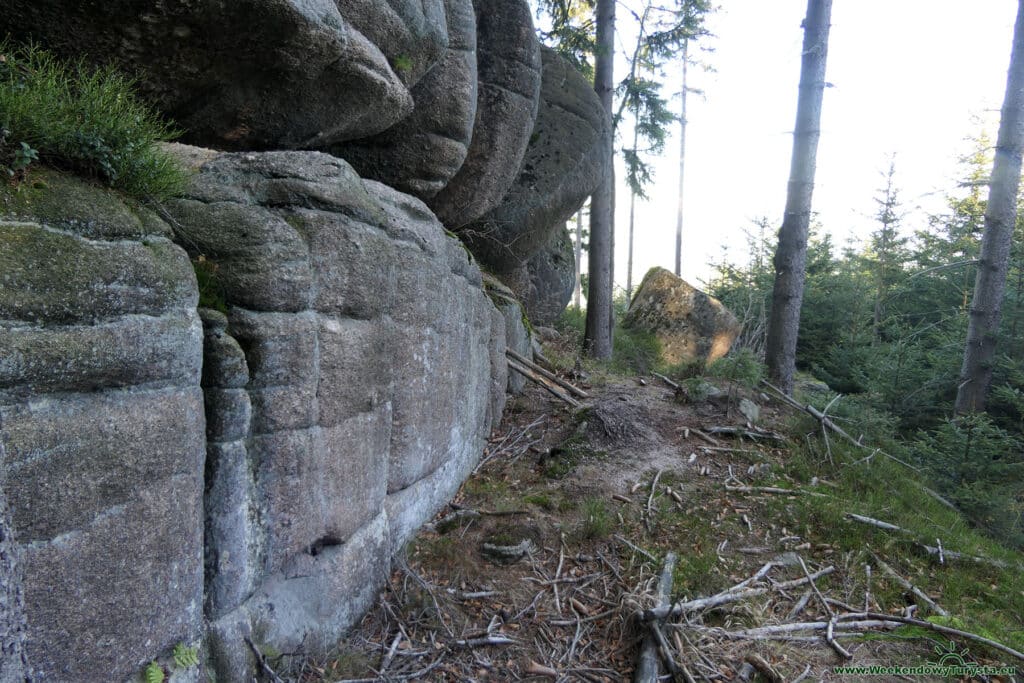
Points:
(85, 120)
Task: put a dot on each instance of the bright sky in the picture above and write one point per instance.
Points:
(911, 77)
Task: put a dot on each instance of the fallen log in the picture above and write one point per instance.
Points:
(680, 608)
(647, 660)
(511, 353)
(554, 391)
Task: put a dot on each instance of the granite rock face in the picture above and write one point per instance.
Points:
(101, 430)
(424, 151)
(13, 667)
(563, 165)
(545, 283)
(350, 388)
(509, 70)
(692, 327)
(253, 74)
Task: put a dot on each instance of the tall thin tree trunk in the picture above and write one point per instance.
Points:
(682, 164)
(577, 293)
(791, 255)
(632, 221)
(597, 340)
(1000, 220)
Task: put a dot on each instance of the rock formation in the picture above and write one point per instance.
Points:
(102, 429)
(12, 608)
(238, 455)
(253, 74)
(545, 283)
(508, 96)
(349, 387)
(422, 153)
(562, 166)
(691, 326)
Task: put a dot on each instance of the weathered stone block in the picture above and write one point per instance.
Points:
(690, 325)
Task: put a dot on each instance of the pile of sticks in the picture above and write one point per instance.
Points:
(684, 655)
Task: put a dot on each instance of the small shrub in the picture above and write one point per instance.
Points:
(740, 366)
(84, 120)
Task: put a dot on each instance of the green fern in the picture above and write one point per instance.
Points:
(185, 657)
(154, 673)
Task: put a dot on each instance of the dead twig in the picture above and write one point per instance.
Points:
(932, 605)
(262, 661)
(942, 553)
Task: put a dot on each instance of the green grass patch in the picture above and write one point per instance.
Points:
(598, 521)
(988, 600)
(85, 120)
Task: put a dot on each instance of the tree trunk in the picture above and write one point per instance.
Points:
(577, 293)
(1000, 220)
(791, 255)
(632, 219)
(682, 166)
(597, 340)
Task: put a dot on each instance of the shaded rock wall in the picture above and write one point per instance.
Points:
(253, 74)
(101, 424)
(562, 167)
(508, 61)
(350, 388)
(421, 154)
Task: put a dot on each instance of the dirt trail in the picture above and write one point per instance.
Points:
(540, 565)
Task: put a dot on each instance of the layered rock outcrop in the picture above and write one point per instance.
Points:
(253, 74)
(562, 167)
(350, 387)
(545, 283)
(101, 424)
(422, 153)
(691, 326)
(509, 67)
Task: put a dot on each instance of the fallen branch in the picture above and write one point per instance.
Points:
(749, 433)
(262, 661)
(827, 422)
(764, 668)
(681, 608)
(667, 381)
(910, 587)
(647, 660)
(528, 374)
(705, 437)
(939, 551)
(773, 489)
(576, 391)
(488, 641)
(938, 628)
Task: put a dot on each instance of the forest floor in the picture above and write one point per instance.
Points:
(540, 567)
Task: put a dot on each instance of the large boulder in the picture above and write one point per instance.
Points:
(424, 151)
(253, 74)
(101, 429)
(351, 385)
(545, 283)
(691, 326)
(509, 64)
(564, 164)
